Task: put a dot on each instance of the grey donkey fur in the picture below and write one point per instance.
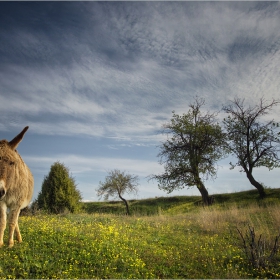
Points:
(16, 187)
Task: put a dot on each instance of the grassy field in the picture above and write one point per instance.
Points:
(176, 238)
(180, 204)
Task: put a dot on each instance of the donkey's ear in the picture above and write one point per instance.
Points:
(14, 143)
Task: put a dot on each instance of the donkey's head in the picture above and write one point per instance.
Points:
(8, 161)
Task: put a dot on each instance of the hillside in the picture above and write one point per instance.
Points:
(182, 204)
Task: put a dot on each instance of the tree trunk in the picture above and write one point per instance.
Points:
(256, 184)
(126, 204)
(204, 192)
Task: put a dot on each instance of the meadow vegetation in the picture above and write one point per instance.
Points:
(172, 237)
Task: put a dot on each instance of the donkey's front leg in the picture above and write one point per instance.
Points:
(3, 219)
(18, 235)
(13, 224)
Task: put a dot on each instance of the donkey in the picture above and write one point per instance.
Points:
(16, 187)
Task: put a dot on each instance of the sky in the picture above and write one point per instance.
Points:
(96, 81)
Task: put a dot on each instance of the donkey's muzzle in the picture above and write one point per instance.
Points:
(2, 193)
(2, 189)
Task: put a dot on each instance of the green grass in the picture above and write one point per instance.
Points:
(182, 240)
(180, 204)
(147, 207)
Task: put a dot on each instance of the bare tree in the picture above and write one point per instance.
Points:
(116, 184)
(254, 143)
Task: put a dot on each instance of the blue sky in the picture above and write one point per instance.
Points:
(95, 81)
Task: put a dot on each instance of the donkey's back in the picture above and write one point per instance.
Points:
(16, 187)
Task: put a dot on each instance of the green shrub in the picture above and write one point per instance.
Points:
(59, 193)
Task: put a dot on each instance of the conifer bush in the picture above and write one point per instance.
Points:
(59, 193)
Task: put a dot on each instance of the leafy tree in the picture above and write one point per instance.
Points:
(116, 184)
(254, 143)
(195, 143)
(59, 192)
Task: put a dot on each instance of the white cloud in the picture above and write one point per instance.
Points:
(79, 164)
(99, 97)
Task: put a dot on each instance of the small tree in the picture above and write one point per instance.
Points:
(59, 192)
(190, 155)
(253, 142)
(116, 184)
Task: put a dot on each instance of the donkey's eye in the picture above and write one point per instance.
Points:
(12, 163)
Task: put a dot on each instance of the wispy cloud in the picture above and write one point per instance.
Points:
(80, 164)
(152, 58)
